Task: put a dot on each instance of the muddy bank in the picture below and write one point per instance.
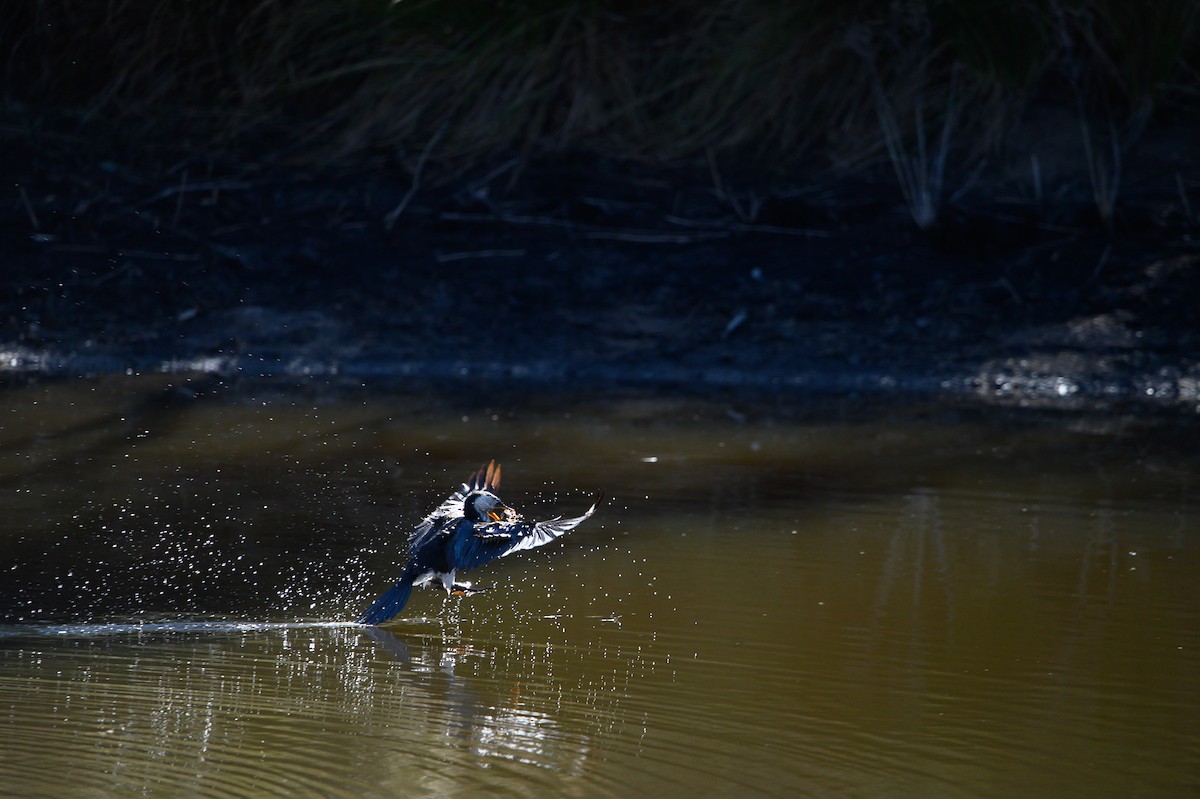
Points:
(587, 275)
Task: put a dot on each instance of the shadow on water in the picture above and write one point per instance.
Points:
(839, 598)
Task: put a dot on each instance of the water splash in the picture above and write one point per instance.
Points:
(163, 626)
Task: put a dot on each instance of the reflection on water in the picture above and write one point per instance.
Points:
(840, 600)
(314, 709)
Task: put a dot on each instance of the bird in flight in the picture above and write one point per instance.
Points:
(470, 528)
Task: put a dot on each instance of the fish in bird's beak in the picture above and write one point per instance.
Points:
(503, 513)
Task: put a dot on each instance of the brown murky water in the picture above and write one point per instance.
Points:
(841, 600)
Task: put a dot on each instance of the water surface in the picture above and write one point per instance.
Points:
(836, 599)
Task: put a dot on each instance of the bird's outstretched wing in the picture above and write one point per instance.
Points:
(487, 478)
(486, 542)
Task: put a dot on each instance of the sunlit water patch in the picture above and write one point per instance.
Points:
(835, 601)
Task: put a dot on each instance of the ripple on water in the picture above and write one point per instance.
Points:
(872, 605)
(220, 710)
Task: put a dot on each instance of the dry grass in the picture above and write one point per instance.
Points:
(919, 162)
(451, 80)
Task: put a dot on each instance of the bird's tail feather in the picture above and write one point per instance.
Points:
(390, 602)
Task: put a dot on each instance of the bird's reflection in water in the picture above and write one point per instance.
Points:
(389, 643)
(485, 711)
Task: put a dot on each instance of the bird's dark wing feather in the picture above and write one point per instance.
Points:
(486, 542)
(433, 524)
(428, 531)
(392, 601)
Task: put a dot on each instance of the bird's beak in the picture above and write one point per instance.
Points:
(502, 513)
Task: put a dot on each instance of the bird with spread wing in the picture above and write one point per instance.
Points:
(472, 527)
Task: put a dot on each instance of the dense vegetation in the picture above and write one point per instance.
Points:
(932, 86)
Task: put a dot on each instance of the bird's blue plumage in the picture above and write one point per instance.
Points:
(389, 603)
(469, 529)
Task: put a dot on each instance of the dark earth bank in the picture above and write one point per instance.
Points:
(583, 273)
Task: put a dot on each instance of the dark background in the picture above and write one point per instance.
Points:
(986, 198)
